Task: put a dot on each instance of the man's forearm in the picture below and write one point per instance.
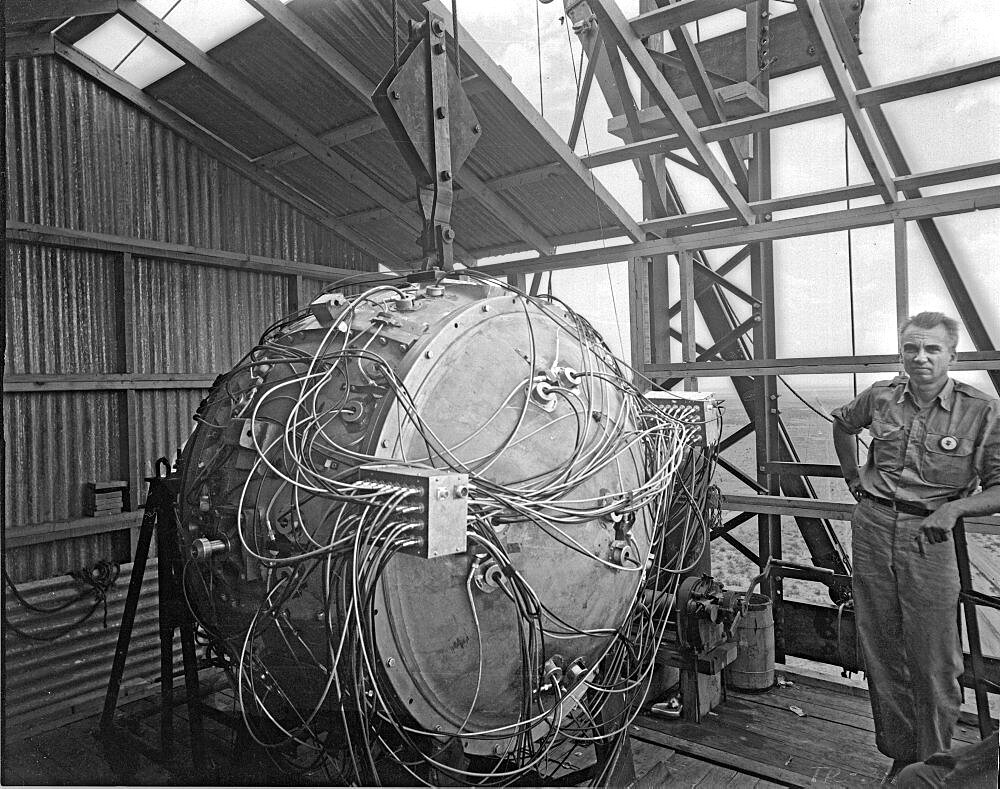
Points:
(986, 502)
(843, 443)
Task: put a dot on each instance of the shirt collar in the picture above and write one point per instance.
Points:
(946, 396)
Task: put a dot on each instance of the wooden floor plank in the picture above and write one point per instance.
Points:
(686, 771)
(835, 704)
(722, 750)
(646, 756)
(822, 740)
(721, 776)
(785, 699)
(656, 777)
(755, 746)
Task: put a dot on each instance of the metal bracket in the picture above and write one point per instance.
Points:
(427, 112)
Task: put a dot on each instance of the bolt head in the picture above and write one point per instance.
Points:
(477, 129)
(428, 354)
(441, 114)
(394, 95)
(391, 662)
(446, 175)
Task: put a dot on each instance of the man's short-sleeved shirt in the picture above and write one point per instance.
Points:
(926, 455)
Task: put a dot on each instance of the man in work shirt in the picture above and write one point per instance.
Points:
(933, 440)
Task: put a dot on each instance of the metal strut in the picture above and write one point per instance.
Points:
(173, 614)
(427, 112)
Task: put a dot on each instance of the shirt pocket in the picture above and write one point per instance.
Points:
(954, 468)
(888, 445)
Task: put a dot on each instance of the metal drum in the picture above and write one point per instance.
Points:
(753, 668)
(566, 468)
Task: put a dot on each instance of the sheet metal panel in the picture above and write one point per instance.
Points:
(362, 31)
(61, 311)
(56, 442)
(80, 157)
(316, 99)
(557, 207)
(165, 421)
(47, 559)
(48, 682)
(203, 101)
(200, 319)
(325, 187)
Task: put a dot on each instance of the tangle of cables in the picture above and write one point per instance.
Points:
(356, 656)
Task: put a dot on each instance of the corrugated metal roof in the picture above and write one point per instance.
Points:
(283, 72)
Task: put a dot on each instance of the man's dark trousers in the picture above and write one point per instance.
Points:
(906, 607)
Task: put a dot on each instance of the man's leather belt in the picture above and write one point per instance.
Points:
(900, 506)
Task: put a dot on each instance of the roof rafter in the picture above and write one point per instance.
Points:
(334, 137)
(681, 13)
(965, 172)
(616, 31)
(339, 67)
(818, 29)
(345, 133)
(30, 12)
(867, 97)
(718, 238)
(30, 46)
(226, 155)
(494, 75)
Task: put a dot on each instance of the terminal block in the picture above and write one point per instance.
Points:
(438, 505)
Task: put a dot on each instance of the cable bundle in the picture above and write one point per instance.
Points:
(571, 455)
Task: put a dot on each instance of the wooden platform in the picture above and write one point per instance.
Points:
(759, 735)
(752, 740)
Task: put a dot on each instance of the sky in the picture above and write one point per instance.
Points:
(819, 280)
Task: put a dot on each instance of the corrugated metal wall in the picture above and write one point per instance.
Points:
(48, 681)
(79, 157)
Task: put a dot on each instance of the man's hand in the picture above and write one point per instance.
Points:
(938, 525)
(856, 488)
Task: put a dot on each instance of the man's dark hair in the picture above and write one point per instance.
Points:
(928, 320)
